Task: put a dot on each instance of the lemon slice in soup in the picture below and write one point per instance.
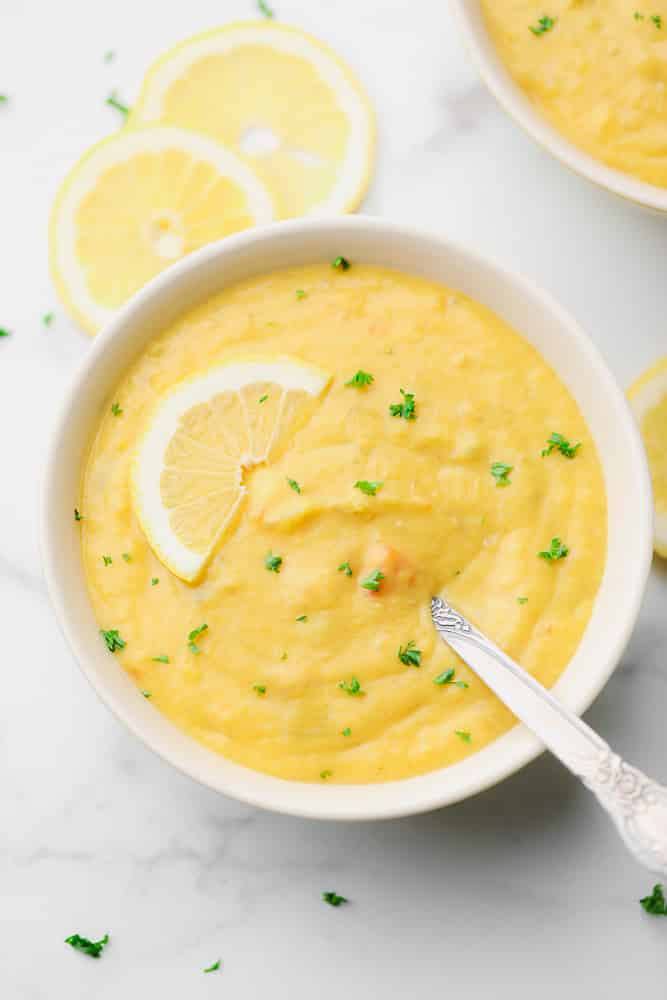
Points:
(648, 399)
(188, 472)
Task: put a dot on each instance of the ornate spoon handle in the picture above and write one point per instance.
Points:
(637, 805)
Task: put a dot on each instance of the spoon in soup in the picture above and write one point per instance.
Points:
(637, 805)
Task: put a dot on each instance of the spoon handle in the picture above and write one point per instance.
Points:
(637, 805)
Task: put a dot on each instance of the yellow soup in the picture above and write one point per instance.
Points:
(319, 661)
(597, 70)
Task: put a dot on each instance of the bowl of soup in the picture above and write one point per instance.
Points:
(390, 416)
(586, 80)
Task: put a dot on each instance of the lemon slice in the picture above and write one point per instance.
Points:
(188, 471)
(278, 98)
(648, 399)
(135, 203)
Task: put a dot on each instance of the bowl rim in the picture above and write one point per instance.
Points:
(518, 106)
(335, 802)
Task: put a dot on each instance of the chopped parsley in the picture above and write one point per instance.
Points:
(638, 16)
(283, 656)
(559, 443)
(113, 640)
(543, 25)
(83, 944)
(214, 967)
(259, 688)
(500, 472)
(351, 687)
(263, 399)
(78, 516)
(5, 333)
(47, 319)
(107, 560)
(368, 488)
(109, 55)
(300, 294)
(160, 659)
(154, 581)
(325, 774)
(360, 379)
(147, 694)
(4, 99)
(373, 580)
(655, 903)
(264, 8)
(273, 563)
(406, 409)
(196, 632)
(116, 409)
(346, 732)
(345, 568)
(333, 899)
(293, 485)
(113, 102)
(522, 600)
(410, 656)
(464, 735)
(657, 20)
(127, 556)
(302, 618)
(340, 263)
(447, 677)
(557, 550)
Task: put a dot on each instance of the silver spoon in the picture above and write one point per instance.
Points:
(637, 805)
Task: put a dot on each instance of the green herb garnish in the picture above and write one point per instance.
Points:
(78, 516)
(113, 102)
(447, 677)
(154, 581)
(556, 551)
(351, 687)
(196, 632)
(333, 899)
(410, 656)
(294, 485)
(214, 967)
(147, 694)
(302, 618)
(373, 580)
(368, 488)
(273, 563)
(83, 944)
(259, 688)
(543, 25)
(107, 560)
(655, 903)
(657, 20)
(325, 774)
(500, 472)
(464, 735)
(561, 444)
(346, 732)
(638, 16)
(160, 659)
(300, 294)
(522, 600)
(127, 556)
(116, 409)
(263, 399)
(5, 333)
(264, 8)
(113, 640)
(109, 55)
(345, 568)
(341, 263)
(360, 379)
(4, 99)
(406, 409)
(47, 319)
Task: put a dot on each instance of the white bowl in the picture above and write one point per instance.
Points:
(541, 321)
(518, 105)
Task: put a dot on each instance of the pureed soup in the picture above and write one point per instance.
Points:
(436, 452)
(596, 70)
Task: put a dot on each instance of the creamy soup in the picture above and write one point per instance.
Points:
(425, 466)
(597, 70)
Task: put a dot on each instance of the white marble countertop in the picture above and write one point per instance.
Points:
(524, 890)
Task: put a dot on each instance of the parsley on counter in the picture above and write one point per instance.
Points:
(333, 899)
(214, 967)
(655, 903)
(83, 944)
(113, 102)
(47, 319)
(264, 9)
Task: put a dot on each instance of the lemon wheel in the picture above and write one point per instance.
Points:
(648, 399)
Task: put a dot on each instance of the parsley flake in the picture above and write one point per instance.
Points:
(113, 102)
(264, 9)
(113, 640)
(214, 967)
(5, 333)
(325, 774)
(259, 688)
(561, 444)
(85, 945)
(345, 568)
(127, 556)
(373, 580)
(410, 656)
(368, 488)
(346, 732)
(333, 899)
(147, 694)
(464, 735)
(657, 20)
(406, 409)
(273, 563)
(263, 399)
(522, 600)
(109, 55)
(557, 550)
(638, 16)
(300, 294)
(655, 903)
(47, 319)
(543, 25)
(116, 409)
(447, 677)
(78, 516)
(196, 632)
(107, 560)
(340, 263)
(500, 472)
(4, 99)
(293, 485)
(351, 687)
(360, 379)
(301, 618)
(154, 581)
(160, 659)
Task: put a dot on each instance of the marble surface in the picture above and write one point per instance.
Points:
(523, 889)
